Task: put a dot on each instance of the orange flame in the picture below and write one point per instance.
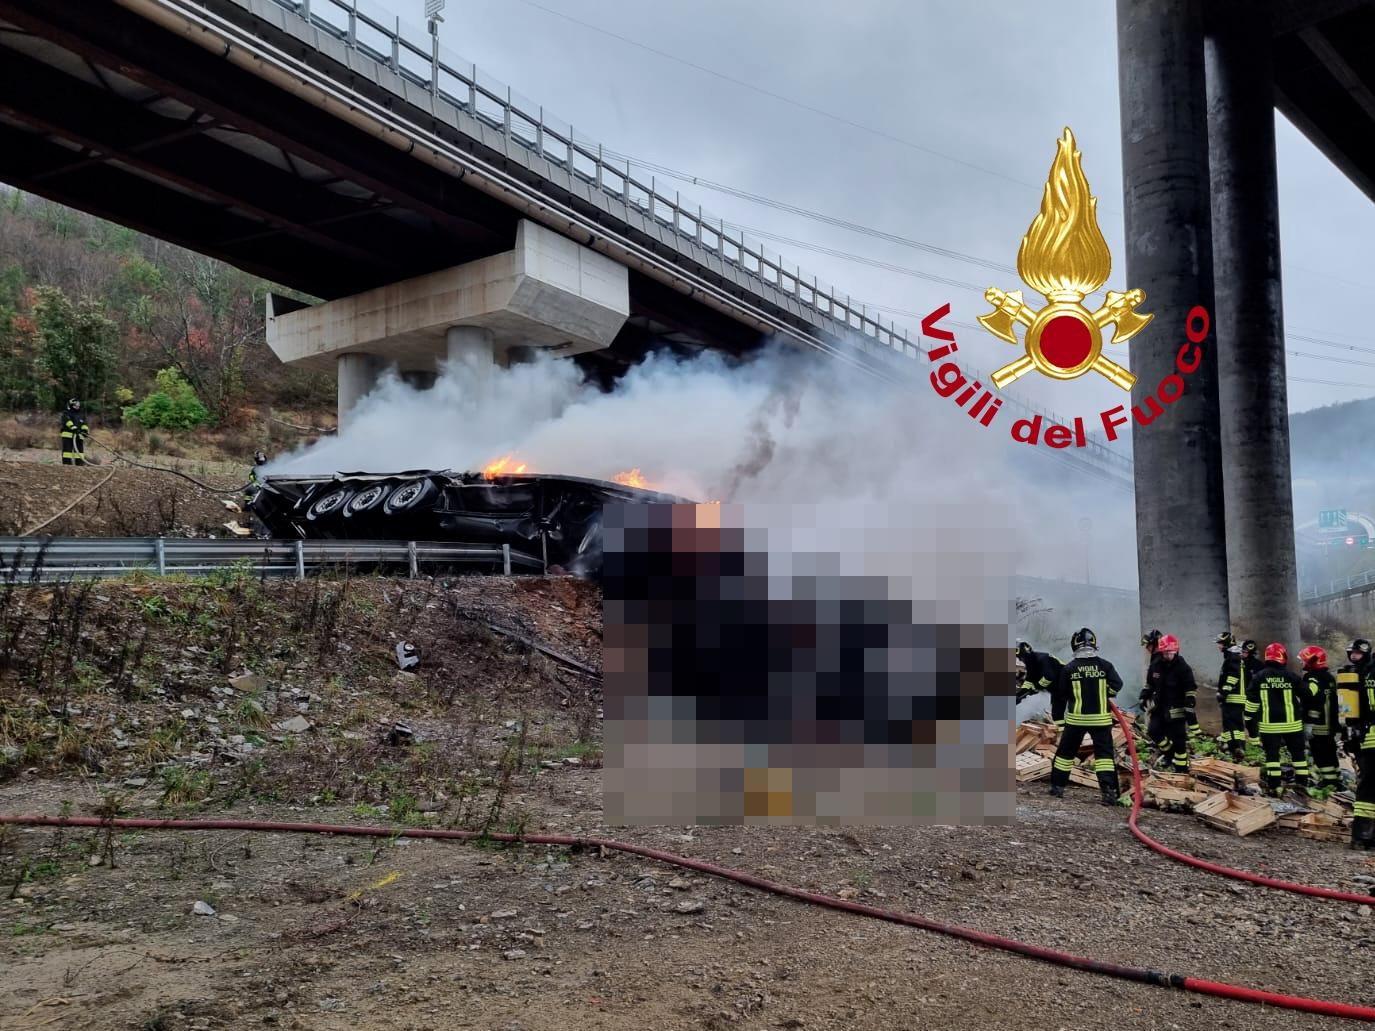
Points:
(503, 466)
(631, 478)
(1064, 251)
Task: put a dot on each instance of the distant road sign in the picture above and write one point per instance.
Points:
(433, 7)
(1332, 519)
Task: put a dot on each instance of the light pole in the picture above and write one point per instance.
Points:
(1086, 528)
(432, 9)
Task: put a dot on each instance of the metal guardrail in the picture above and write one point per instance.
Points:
(1358, 584)
(416, 56)
(48, 559)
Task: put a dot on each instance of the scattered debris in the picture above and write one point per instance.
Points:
(200, 908)
(295, 725)
(407, 655)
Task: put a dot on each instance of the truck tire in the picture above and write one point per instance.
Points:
(407, 496)
(367, 500)
(329, 504)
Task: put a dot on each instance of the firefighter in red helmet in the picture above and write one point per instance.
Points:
(1281, 699)
(1324, 716)
(1171, 692)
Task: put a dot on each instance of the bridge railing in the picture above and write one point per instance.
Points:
(1337, 588)
(417, 56)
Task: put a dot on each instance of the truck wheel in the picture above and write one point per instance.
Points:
(407, 496)
(329, 504)
(366, 500)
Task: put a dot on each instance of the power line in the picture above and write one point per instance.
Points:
(819, 216)
(882, 133)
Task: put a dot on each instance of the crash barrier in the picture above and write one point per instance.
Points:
(49, 559)
(1202, 864)
(1141, 975)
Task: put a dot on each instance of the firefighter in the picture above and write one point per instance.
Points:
(1325, 717)
(255, 482)
(1281, 700)
(1042, 674)
(1237, 667)
(1172, 695)
(1360, 740)
(1250, 654)
(1088, 683)
(1151, 642)
(74, 434)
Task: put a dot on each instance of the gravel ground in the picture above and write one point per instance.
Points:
(318, 932)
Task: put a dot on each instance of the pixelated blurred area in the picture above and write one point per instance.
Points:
(792, 664)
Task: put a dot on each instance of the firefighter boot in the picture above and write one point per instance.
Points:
(1362, 832)
(1110, 795)
(1057, 791)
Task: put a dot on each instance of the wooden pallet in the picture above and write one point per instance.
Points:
(1031, 766)
(1236, 814)
(1083, 775)
(1178, 794)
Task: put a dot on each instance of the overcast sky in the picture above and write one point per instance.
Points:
(979, 89)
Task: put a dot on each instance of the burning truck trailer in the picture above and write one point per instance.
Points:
(549, 521)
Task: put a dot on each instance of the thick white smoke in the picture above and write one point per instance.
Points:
(782, 428)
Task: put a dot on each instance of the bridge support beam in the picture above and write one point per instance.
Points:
(1249, 324)
(473, 348)
(1182, 544)
(358, 374)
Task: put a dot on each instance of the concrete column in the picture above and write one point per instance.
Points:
(473, 347)
(1181, 541)
(1249, 324)
(357, 376)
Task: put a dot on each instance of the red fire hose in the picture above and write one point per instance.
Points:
(1202, 864)
(1064, 959)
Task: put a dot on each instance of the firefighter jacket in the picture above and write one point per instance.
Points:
(1323, 713)
(1043, 671)
(1236, 674)
(1170, 686)
(1280, 697)
(1088, 684)
(1361, 723)
(74, 425)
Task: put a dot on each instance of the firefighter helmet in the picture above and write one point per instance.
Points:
(1168, 645)
(1083, 638)
(1226, 639)
(73, 403)
(1249, 647)
(1360, 647)
(1313, 657)
(259, 457)
(1151, 639)
(1024, 649)
(1275, 652)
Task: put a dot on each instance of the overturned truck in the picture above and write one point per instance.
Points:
(548, 522)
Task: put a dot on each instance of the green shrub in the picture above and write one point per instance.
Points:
(172, 406)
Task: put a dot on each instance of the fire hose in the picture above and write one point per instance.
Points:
(1140, 975)
(1203, 864)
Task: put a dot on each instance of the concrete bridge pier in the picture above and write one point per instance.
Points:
(1249, 323)
(548, 292)
(1182, 543)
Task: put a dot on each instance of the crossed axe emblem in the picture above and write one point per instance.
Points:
(1064, 339)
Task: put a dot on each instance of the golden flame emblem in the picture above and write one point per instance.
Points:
(1064, 257)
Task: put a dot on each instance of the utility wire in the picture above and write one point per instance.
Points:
(841, 119)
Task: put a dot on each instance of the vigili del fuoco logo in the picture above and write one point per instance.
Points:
(1065, 258)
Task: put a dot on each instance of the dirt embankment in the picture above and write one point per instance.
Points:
(133, 503)
(312, 932)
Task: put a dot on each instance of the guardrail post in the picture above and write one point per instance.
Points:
(300, 560)
(353, 23)
(539, 133)
(160, 546)
(506, 114)
(599, 167)
(434, 65)
(305, 9)
(410, 554)
(506, 559)
(396, 48)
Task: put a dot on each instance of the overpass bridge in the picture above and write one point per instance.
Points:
(329, 148)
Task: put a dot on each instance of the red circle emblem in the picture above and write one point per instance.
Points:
(1065, 342)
